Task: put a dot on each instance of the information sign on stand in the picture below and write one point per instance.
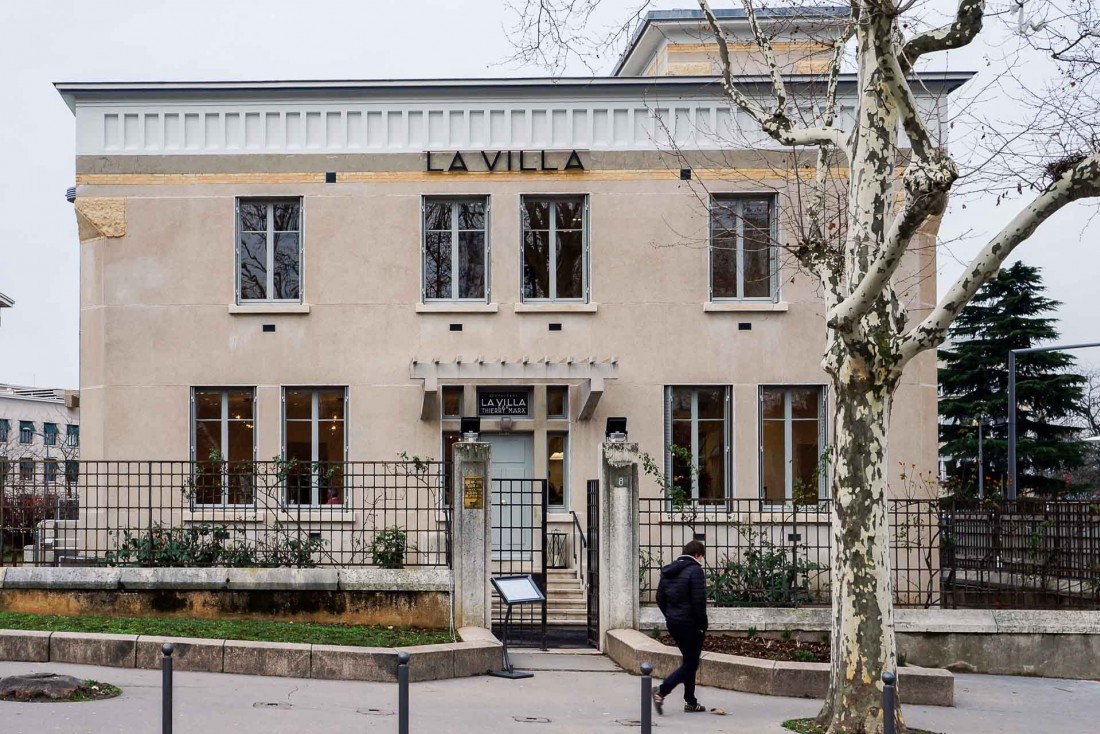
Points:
(514, 590)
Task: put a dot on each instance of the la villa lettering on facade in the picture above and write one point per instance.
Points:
(492, 161)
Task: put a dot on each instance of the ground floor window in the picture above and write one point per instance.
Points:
(50, 469)
(223, 445)
(557, 469)
(314, 442)
(72, 472)
(792, 440)
(26, 470)
(697, 439)
(5, 469)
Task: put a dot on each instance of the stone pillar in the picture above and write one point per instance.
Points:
(471, 534)
(618, 537)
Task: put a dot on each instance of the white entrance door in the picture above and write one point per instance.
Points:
(513, 498)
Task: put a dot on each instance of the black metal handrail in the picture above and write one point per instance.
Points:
(578, 557)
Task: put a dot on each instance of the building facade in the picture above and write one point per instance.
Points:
(39, 437)
(331, 271)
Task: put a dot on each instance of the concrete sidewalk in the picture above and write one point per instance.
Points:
(569, 693)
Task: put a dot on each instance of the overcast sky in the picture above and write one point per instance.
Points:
(43, 41)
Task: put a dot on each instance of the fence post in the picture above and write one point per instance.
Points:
(166, 689)
(647, 699)
(889, 702)
(402, 693)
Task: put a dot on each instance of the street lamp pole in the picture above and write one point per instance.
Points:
(1013, 489)
(981, 462)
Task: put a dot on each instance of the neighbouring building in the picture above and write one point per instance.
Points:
(342, 270)
(39, 437)
(5, 302)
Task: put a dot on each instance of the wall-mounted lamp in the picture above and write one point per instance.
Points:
(471, 428)
(616, 429)
(506, 423)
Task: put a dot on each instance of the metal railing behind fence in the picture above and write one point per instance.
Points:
(949, 553)
(236, 514)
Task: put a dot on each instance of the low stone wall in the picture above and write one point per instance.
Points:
(1052, 644)
(476, 653)
(630, 648)
(350, 596)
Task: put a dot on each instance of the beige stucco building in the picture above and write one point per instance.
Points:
(342, 269)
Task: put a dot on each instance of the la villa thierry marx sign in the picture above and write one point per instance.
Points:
(496, 161)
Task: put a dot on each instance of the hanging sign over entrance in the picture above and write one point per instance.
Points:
(491, 403)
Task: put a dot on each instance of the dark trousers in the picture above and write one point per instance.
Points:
(690, 641)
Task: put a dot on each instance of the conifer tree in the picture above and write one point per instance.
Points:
(1009, 312)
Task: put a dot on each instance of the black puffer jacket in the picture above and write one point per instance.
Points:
(682, 593)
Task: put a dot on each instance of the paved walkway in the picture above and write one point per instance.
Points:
(569, 693)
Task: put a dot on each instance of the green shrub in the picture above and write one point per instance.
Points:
(765, 575)
(803, 656)
(204, 546)
(387, 548)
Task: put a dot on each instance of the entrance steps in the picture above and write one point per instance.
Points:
(566, 601)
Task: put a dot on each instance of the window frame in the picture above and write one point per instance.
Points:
(315, 484)
(773, 249)
(727, 426)
(23, 465)
(564, 506)
(50, 470)
(72, 435)
(564, 415)
(26, 432)
(452, 201)
(49, 437)
(223, 422)
(788, 444)
(5, 430)
(270, 201)
(586, 279)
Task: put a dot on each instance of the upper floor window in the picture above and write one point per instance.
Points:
(697, 429)
(557, 401)
(269, 250)
(49, 434)
(456, 253)
(555, 248)
(5, 428)
(452, 401)
(222, 445)
(792, 440)
(26, 431)
(314, 441)
(742, 250)
(72, 435)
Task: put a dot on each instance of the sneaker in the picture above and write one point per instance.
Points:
(659, 703)
(695, 708)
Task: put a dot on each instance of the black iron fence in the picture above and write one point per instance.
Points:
(943, 552)
(237, 514)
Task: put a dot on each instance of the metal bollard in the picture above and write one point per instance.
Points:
(647, 698)
(402, 693)
(889, 702)
(166, 689)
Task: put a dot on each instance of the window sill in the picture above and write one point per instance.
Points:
(218, 514)
(315, 515)
(268, 309)
(457, 307)
(745, 307)
(555, 307)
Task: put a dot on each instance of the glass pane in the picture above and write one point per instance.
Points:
(287, 276)
(681, 403)
(555, 464)
(240, 404)
(286, 216)
(471, 215)
(557, 401)
(536, 265)
(208, 440)
(723, 214)
(570, 264)
(240, 441)
(330, 404)
(208, 404)
(681, 470)
(712, 462)
(758, 271)
(536, 214)
(207, 481)
(723, 267)
(804, 458)
(330, 440)
(471, 265)
(299, 404)
(299, 450)
(452, 401)
(241, 484)
(299, 441)
(253, 216)
(253, 266)
(570, 214)
(437, 215)
(712, 402)
(771, 404)
(437, 265)
(804, 402)
(775, 472)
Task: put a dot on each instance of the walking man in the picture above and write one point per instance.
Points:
(682, 598)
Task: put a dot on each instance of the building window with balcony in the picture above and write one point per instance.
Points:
(697, 430)
(72, 436)
(555, 248)
(269, 250)
(223, 445)
(5, 429)
(792, 441)
(456, 251)
(49, 434)
(314, 442)
(26, 431)
(743, 263)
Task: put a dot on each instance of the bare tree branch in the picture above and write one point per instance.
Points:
(963, 30)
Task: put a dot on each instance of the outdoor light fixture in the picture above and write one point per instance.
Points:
(616, 430)
(471, 428)
(506, 424)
